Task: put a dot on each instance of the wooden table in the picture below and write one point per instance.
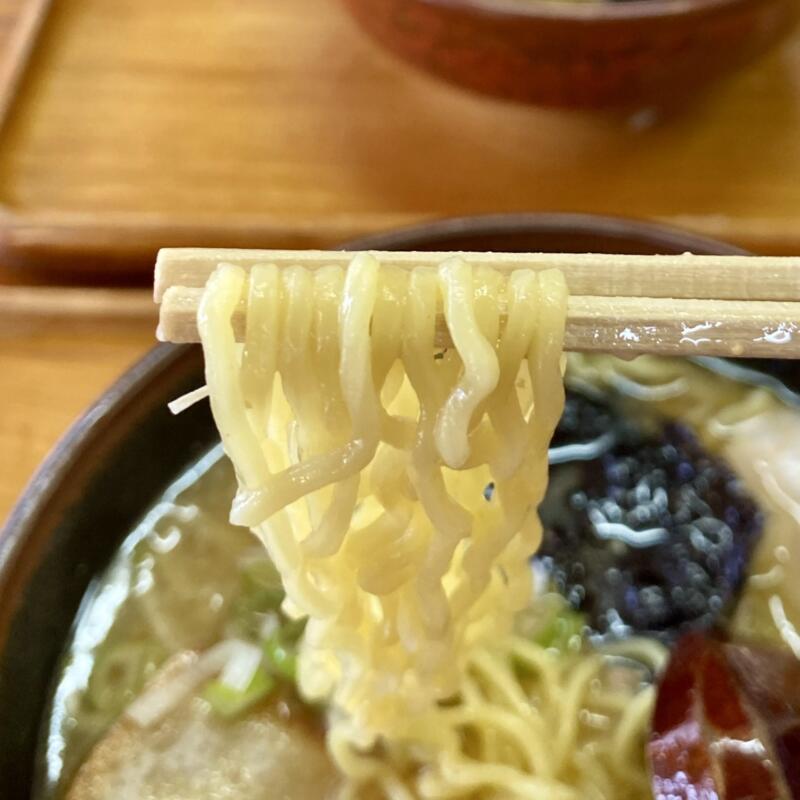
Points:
(51, 368)
(50, 371)
(377, 145)
(277, 123)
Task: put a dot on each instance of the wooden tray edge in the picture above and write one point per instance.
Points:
(41, 246)
(58, 246)
(122, 248)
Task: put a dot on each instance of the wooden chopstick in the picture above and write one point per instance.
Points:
(640, 317)
(598, 275)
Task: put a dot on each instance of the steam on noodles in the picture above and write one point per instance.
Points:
(363, 456)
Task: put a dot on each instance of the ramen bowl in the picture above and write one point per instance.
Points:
(579, 53)
(113, 464)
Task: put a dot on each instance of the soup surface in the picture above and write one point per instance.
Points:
(671, 536)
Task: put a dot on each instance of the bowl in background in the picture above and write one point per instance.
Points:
(121, 455)
(579, 53)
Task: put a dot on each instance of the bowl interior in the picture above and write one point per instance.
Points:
(120, 456)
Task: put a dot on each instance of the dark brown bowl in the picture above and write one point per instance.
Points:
(580, 54)
(128, 448)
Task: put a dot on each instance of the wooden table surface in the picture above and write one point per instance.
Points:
(50, 371)
(278, 123)
(374, 145)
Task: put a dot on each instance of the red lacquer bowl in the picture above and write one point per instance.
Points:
(583, 54)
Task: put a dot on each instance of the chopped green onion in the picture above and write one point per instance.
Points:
(260, 594)
(280, 656)
(230, 703)
(564, 632)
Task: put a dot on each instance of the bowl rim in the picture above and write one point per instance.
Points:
(656, 233)
(578, 11)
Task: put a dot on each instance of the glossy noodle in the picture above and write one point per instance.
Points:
(362, 455)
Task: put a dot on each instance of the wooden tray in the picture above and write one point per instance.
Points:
(276, 123)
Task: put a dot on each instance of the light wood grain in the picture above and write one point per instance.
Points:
(51, 369)
(620, 325)
(599, 274)
(74, 305)
(60, 348)
(623, 304)
(146, 123)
